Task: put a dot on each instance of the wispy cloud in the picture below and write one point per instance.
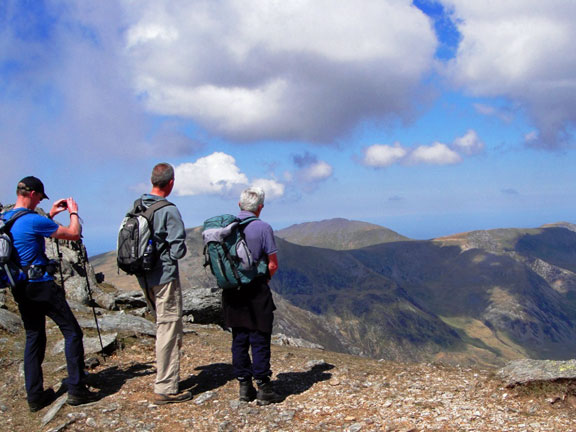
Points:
(310, 172)
(469, 144)
(510, 191)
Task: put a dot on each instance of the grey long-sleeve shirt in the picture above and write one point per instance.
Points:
(169, 237)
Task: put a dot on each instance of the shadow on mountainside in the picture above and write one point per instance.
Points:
(293, 383)
(210, 377)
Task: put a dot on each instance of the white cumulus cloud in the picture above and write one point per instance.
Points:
(305, 70)
(218, 174)
(272, 188)
(317, 171)
(213, 174)
(382, 155)
(524, 51)
(435, 154)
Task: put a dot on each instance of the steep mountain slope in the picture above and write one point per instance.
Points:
(478, 297)
(338, 234)
(365, 312)
(495, 291)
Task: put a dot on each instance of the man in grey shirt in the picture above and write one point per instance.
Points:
(162, 287)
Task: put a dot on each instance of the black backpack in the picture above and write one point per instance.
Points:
(10, 270)
(136, 251)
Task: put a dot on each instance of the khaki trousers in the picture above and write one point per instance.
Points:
(167, 306)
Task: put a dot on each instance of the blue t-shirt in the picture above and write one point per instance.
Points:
(28, 233)
(259, 236)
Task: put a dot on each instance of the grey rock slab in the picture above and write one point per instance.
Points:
(527, 370)
(54, 409)
(204, 397)
(131, 299)
(10, 321)
(91, 344)
(121, 322)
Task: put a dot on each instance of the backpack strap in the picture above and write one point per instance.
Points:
(243, 223)
(148, 213)
(7, 224)
(5, 227)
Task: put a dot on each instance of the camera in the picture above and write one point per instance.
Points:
(63, 204)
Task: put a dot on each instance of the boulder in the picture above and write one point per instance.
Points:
(80, 281)
(10, 321)
(91, 344)
(204, 305)
(527, 371)
(121, 322)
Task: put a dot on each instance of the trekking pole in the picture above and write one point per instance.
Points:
(84, 261)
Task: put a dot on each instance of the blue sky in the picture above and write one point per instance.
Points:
(427, 117)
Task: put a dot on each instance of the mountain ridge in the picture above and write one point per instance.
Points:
(339, 234)
(480, 297)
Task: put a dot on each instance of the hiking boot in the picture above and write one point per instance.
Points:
(266, 394)
(163, 399)
(48, 396)
(247, 391)
(81, 397)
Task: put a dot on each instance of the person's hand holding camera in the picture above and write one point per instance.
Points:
(62, 205)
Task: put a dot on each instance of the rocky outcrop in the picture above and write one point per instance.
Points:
(526, 371)
(120, 322)
(79, 278)
(10, 321)
(203, 305)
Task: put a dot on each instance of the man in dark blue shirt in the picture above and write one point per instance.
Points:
(249, 311)
(38, 296)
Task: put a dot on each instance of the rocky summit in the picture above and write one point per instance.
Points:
(325, 390)
(322, 390)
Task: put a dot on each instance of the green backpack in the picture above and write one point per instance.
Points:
(227, 254)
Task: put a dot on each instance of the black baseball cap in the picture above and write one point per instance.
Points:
(32, 183)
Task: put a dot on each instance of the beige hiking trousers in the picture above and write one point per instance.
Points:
(167, 300)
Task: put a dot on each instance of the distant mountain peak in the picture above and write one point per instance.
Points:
(339, 234)
(567, 225)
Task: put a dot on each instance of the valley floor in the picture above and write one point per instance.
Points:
(324, 391)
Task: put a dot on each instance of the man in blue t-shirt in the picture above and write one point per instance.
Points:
(38, 296)
(249, 311)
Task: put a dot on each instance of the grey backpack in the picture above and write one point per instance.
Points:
(136, 251)
(10, 270)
